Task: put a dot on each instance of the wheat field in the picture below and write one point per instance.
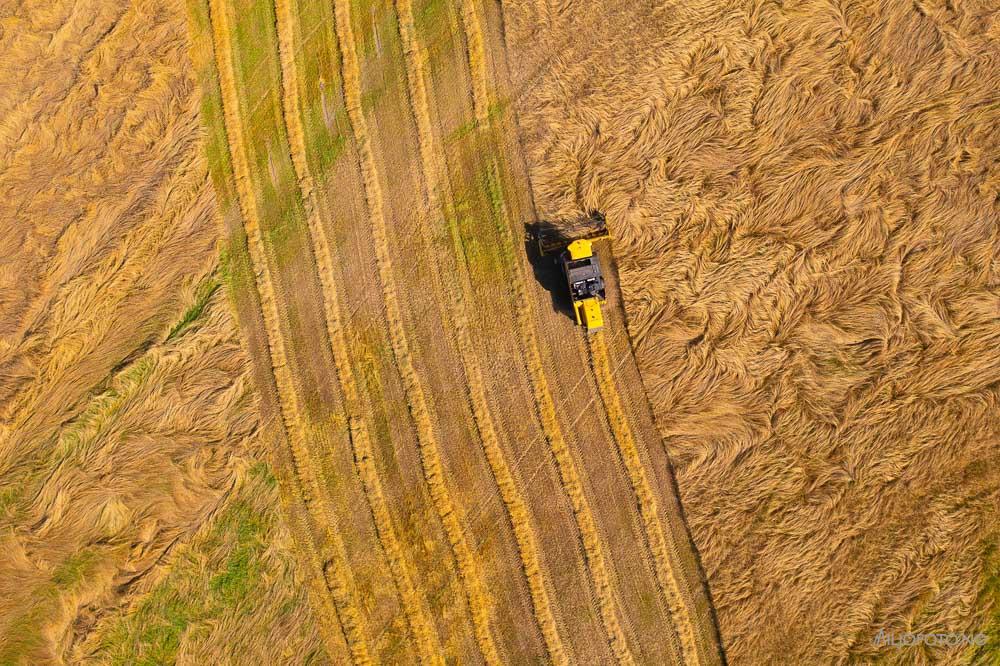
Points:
(410, 360)
(282, 380)
(804, 199)
(134, 488)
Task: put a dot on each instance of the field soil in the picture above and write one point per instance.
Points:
(803, 200)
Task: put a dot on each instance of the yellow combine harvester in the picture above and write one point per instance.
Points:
(579, 265)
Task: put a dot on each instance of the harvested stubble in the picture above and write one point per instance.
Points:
(498, 556)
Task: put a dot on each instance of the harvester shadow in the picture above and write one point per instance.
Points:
(546, 267)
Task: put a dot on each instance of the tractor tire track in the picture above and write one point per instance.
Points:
(430, 454)
(296, 516)
(645, 498)
(327, 542)
(569, 473)
(414, 607)
(433, 169)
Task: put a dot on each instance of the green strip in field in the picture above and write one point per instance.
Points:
(88, 430)
(379, 49)
(257, 75)
(477, 216)
(317, 60)
(203, 293)
(236, 270)
(493, 113)
(437, 27)
(477, 250)
(216, 148)
(374, 24)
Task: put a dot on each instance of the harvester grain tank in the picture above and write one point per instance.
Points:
(579, 265)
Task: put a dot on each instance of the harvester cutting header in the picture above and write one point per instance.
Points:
(579, 264)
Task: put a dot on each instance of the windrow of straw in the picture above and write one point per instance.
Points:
(652, 521)
(414, 607)
(326, 540)
(479, 603)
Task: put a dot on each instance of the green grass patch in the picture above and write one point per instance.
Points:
(476, 250)
(246, 529)
(370, 97)
(261, 471)
(236, 270)
(203, 293)
(216, 148)
(438, 26)
(477, 218)
(24, 633)
(10, 497)
(225, 574)
(489, 179)
(495, 110)
(92, 425)
(74, 569)
(430, 17)
(324, 117)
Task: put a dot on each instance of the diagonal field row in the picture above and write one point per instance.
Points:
(466, 476)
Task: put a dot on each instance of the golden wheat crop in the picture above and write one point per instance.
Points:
(128, 426)
(803, 201)
(129, 432)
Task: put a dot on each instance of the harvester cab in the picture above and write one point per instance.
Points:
(580, 266)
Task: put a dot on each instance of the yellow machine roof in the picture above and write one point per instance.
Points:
(580, 249)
